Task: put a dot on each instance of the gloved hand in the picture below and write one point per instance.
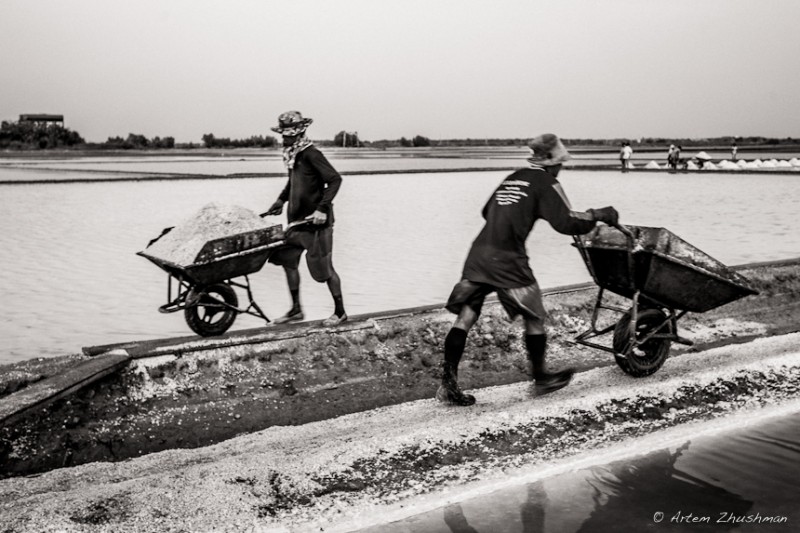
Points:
(274, 209)
(608, 215)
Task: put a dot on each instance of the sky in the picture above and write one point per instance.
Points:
(443, 69)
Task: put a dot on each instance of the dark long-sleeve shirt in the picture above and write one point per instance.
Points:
(312, 185)
(498, 255)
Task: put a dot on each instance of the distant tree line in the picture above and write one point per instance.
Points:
(138, 142)
(655, 142)
(41, 136)
(345, 139)
(37, 135)
(256, 141)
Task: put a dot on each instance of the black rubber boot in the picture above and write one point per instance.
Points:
(449, 391)
(552, 382)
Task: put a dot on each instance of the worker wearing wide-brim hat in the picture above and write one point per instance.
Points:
(498, 262)
(312, 186)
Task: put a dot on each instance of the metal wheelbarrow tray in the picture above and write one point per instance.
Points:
(665, 277)
(205, 288)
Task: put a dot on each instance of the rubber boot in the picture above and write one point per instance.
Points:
(552, 382)
(449, 391)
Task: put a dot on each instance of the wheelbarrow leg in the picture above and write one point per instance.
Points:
(593, 332)
(632, 325)
(253, 302)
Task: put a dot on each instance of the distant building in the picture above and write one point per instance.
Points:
(42, 118)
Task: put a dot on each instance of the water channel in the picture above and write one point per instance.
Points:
(71, 277)
(742, 478)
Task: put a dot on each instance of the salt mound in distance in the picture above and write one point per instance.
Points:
(728, 165)
(652, 165)
(214, 221)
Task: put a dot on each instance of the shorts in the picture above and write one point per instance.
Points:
(319, 247)
(525, 301)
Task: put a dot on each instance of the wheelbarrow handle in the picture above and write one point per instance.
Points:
(297, 223)
(163, 232)
(625, 231)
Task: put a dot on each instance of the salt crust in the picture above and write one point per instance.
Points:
(197, 489)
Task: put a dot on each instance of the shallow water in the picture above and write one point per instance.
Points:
(110, 168)
(742, 479)
(71, 277)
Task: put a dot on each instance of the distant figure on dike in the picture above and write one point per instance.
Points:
(625, 156)
(312, 185)
(672, 157)
(498, 262)
(734, 151)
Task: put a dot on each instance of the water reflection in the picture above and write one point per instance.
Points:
(742, 479)
(456, 521)
(635, 492)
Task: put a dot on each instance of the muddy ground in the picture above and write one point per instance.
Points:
(206, 397)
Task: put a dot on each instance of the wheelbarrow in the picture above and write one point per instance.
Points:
(204, 290)
(665, 277)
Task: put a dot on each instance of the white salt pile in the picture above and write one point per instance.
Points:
(652, 165)
(213, 221)
(728, 165)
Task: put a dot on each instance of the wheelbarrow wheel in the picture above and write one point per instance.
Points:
(209, 316)
(647, 358)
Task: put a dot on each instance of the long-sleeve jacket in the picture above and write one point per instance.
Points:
(312, 185)
(498, 255)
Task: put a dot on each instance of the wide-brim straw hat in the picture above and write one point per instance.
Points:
(292, 123)
(548, 150)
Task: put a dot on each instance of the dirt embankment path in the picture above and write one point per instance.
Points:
(286, 459)
(343, 472)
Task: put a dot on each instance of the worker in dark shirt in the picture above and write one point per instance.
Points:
(498, 262)
(312, 185)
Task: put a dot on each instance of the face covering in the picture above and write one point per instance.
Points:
(290, 152)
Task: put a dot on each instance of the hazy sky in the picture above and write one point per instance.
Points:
(386, 69)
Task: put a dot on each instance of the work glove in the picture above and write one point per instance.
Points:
(274, 209)
(607, 215)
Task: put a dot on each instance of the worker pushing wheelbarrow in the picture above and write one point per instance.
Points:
(664, 277)
(209, 256)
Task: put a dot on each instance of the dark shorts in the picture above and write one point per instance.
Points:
(525, 301)
(319, 247)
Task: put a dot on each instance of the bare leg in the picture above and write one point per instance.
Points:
(335, 286)
(466, 318)
(534, 326)
(292, 278)
(295, 314)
